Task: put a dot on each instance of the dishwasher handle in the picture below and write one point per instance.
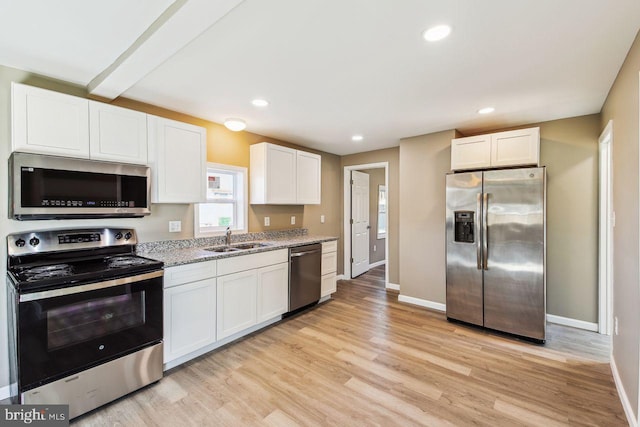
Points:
(297, 254)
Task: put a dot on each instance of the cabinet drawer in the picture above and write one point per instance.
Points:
(189, 273)
(247, 262)
(329, 263)
(329, 246)
(328, 284)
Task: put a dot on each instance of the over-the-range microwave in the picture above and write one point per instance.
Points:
(51, 187)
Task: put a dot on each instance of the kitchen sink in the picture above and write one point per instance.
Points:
(245, 246)
(223, 249)
(237, 247)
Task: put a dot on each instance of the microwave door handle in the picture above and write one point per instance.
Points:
(485, 231)
(479, 231)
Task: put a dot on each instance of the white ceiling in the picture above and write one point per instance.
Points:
(331, 68)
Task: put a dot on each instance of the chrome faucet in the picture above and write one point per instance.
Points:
(227, 239)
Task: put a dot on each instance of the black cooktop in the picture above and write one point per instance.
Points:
(63, 273)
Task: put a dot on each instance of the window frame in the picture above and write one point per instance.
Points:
(241, 202)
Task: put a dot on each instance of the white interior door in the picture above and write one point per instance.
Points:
(359, 223)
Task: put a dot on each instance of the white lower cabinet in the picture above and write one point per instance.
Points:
(273, 291)
(329, 268)
(237, 302)
(189, 318)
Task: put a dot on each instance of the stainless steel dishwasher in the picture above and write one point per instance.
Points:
(304, 276)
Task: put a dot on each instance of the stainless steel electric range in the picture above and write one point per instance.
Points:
(85, 317)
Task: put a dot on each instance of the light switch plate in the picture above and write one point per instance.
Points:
(175, 226)
(267, 221)
(321, 219)
(293, 220)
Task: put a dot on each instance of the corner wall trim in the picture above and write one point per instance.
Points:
(393, 286)
(574, 323)
(340, 277)
(5, 392)
(423, 303)
(377, 263)
(628, 410)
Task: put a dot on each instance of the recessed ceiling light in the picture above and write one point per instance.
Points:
(260, 102)
(357, 138)
(436, 33)
(235, 125)
(486, 110)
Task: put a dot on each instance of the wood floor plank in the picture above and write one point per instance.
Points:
(363, 358)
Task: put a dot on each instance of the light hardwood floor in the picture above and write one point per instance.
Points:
(365, 359)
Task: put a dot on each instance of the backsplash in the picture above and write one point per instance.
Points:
(169, 245)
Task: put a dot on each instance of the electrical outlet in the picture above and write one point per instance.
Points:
(375, 248)
(293, 220)
(267, 221)
(615, 325)
(321, 219)
(175, 226)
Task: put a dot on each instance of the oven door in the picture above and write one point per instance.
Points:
(63, 331)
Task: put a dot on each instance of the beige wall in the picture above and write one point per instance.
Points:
(569, 150)
(392, 156)
(424, 161)
(621, 106)
(376, 246)
(223, 146)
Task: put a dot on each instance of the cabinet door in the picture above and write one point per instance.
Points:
(49, 122)
(189, 318)
(236, 302)
(472, 152)
(517, 147)
(308, 169)
(281, 175)
(328, 284)
(273, 291)
(178, 160)
(117, 134)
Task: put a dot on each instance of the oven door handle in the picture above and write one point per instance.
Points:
(89, 287)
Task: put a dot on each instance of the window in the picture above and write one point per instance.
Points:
(226, 201)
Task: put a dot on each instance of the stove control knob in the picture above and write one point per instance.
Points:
(20, 243)
(34, 241)
(127, 235)
(118, 235)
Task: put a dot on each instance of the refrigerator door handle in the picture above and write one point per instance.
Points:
(478, 231)
(485, 233)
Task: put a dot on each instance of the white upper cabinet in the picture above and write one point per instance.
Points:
(516, 147)
(308, 178)
(511, 148)
(117, 134)
(471, 153)
(178, 160)
(48, 122)
(284, 176)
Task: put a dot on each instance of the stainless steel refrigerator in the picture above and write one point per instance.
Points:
(496, 236)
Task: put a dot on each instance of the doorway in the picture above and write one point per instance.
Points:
(368, 237)
(606, 221)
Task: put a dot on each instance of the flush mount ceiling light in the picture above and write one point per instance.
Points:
(357, 138)
(486, 110)
(436, 33)
(260, 102)
(235, 125)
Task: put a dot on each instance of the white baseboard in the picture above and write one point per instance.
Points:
(628, 409)
(378, 263)
(393, 286)
(340, 277)
(574, 323)
(423, 303)
(5, 392)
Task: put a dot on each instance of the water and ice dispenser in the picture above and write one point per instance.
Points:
(464, 226)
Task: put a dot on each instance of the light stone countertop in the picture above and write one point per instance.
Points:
(172, 256)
